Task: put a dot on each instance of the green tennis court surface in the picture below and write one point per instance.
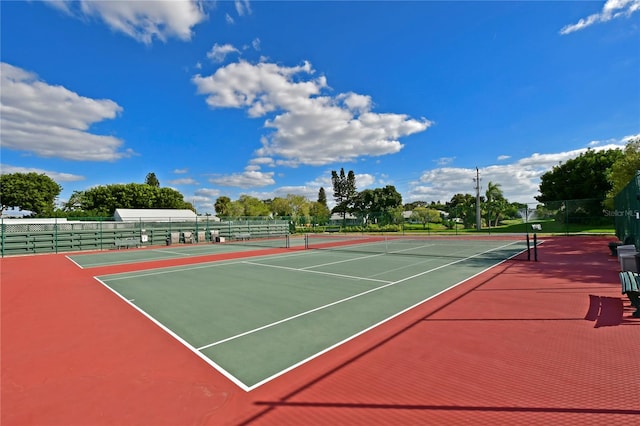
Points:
(254, 319)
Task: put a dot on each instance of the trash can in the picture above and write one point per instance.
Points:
(168, 240)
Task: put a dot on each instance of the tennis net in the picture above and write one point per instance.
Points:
(272, 241)
(498, 247)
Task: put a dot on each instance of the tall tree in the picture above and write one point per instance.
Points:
(344, 191)
(495, 202)
(624, 169)
(581, 178)
(152, 180)
(29, 191)
(319, 210)
(322, 196)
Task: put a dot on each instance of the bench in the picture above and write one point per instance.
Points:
(126, 242)
(242, 236)
(631, 287)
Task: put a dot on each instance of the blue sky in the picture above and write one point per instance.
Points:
(266, 98)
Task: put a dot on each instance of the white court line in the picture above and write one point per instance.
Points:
(412, 248)
(341, 261)
(389, 284)
(246, 388)
(352, 277)
(172, 269)
(330, 348)
(172, 252)
(73, 261)
(179, 339)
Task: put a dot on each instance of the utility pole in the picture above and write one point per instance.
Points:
(478, 217)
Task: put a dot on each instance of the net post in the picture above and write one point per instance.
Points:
(535, 247)
(528, 248)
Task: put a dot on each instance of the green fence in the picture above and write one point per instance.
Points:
(627, 212)
(31, 236)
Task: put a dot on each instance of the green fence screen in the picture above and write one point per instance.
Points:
(627, 212)
(30, 236)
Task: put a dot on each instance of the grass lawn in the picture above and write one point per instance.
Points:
(518, 226)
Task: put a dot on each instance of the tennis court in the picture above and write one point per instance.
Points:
(254, 319)
(119, 257)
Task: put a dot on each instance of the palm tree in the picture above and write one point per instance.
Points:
(495, 202)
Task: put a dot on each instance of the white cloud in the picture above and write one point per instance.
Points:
(181, 171)
(183, 181)
(52, 121)
(503, 157)
(612, 9)
(219, 52)
(229, 19)
(243, 7)
(519, 180)
(56, 176)
(208, 192)
(262, 161)
(445, 161)
(363, 180)
(307, 127)
(247, 179)
(141, 20)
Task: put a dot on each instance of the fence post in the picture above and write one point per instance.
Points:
(55, 233)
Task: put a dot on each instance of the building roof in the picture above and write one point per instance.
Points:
(159, 215)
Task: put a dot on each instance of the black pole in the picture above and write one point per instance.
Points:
(528, 248)
(535, 247)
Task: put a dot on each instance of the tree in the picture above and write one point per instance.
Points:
(411, 206)
(236, 209)
(495, 202)
(463, 206)
(105, 199)
(425, 215)
(322, 196)
(152, 180)
(379, 204)
(623, 169)
(344, 191)
(29, 191)
(252, 206)
(281, 207)
(222, 206)
(319, 210)
(299, 205)
(581, 178)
